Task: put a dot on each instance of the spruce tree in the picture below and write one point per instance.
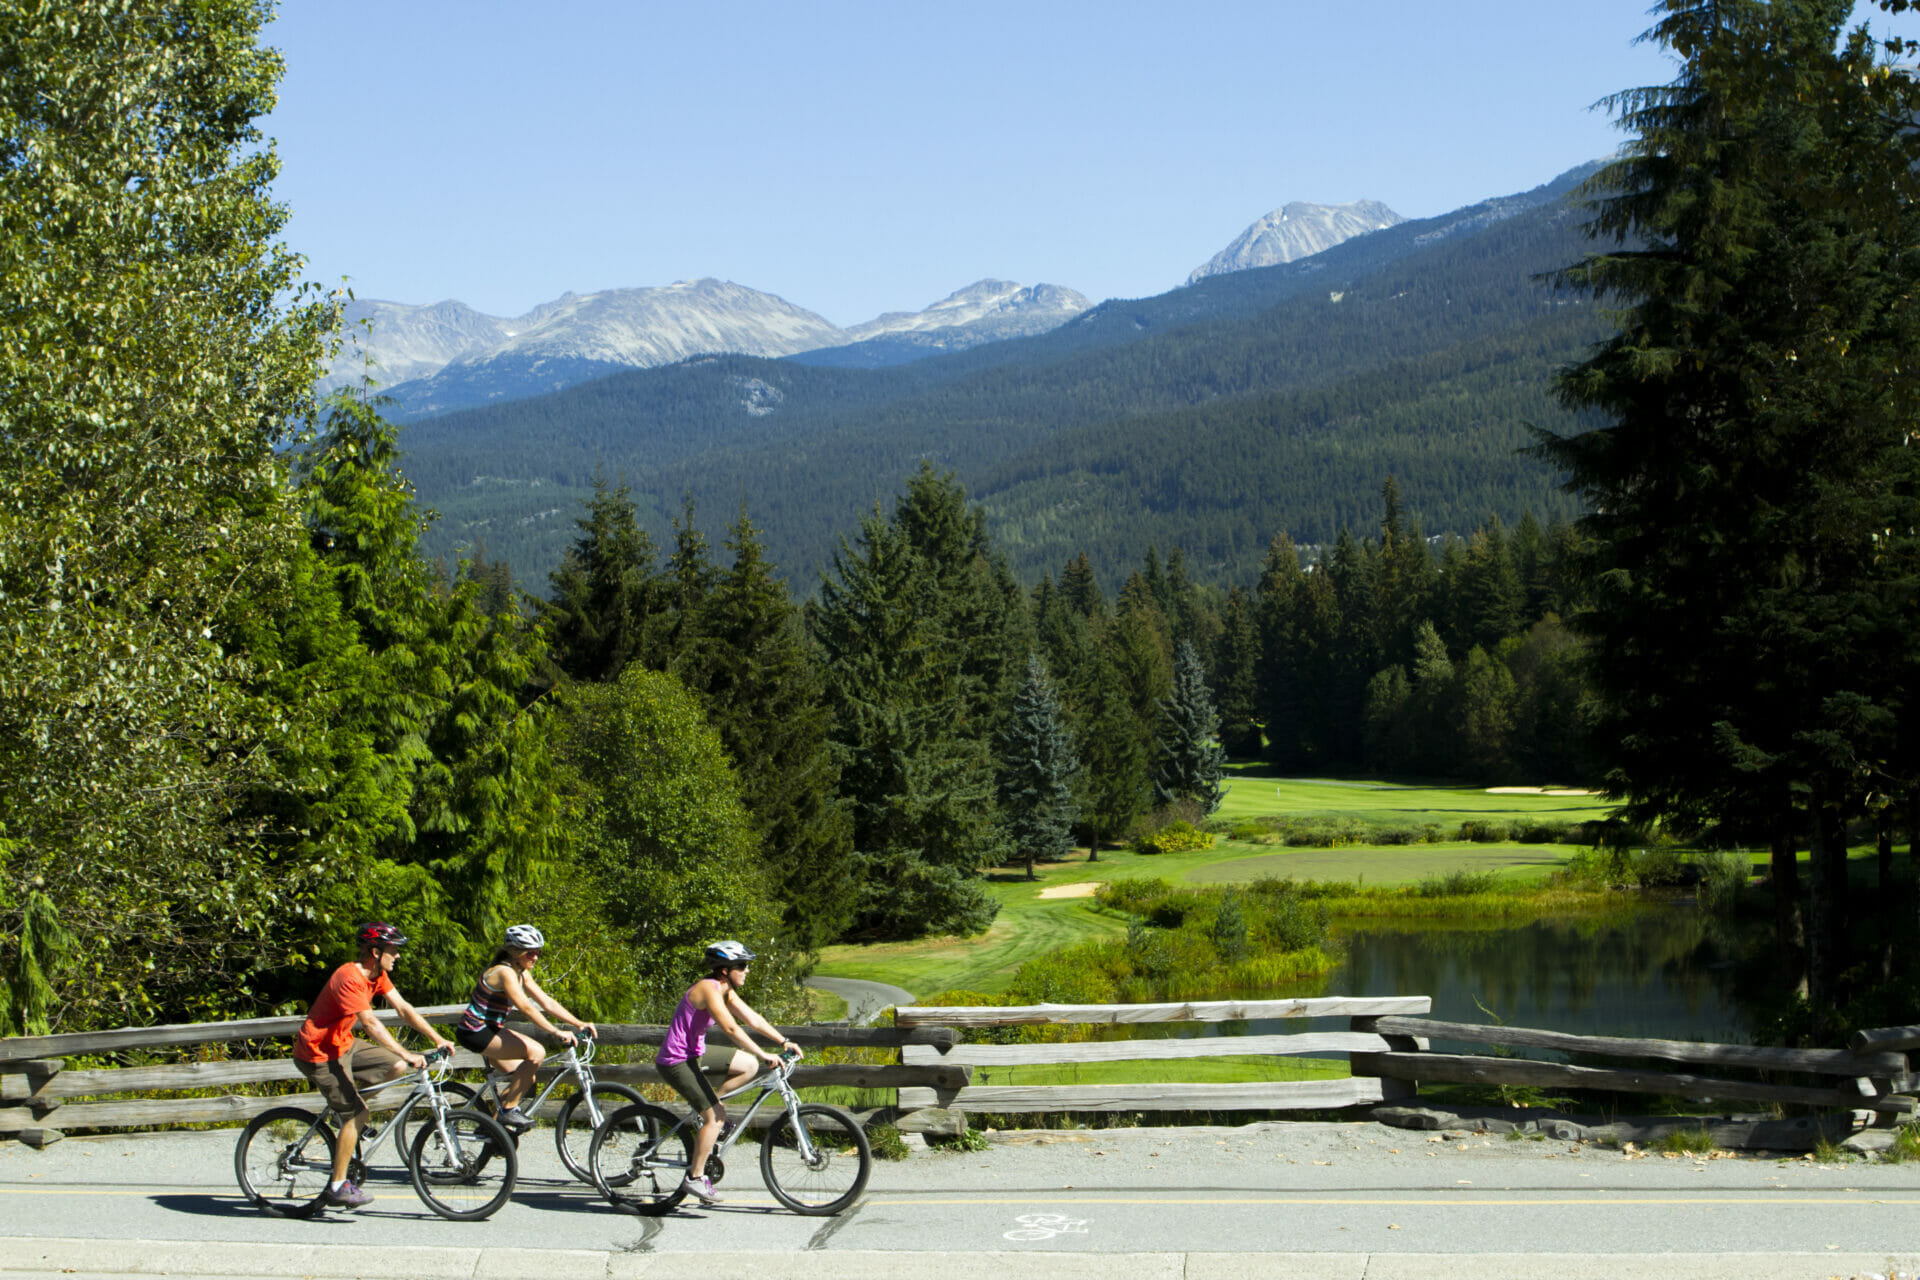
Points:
(1039, 768)
(606, 594)
(758, 678)
(1187, 759)
(1114, 783)
(1752, 484)
(914, 768)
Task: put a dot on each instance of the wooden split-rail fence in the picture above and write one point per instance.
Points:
(1386, 1042)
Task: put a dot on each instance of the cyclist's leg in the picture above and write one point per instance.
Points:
(692, 1084)
(741, 1067)
(517, 1055)
(334, 1079)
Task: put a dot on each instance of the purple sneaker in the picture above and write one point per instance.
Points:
(702, 1188)
(348, 1196)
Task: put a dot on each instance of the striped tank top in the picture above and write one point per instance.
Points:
(487, 1007)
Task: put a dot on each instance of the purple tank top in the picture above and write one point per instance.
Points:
(686, 1034)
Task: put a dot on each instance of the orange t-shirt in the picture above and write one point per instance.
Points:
(328, 1030)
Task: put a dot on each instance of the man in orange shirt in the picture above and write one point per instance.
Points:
(326, 1052)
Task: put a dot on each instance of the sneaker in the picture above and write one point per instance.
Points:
(726, 1131)
(347, 1196)
(702, 1188)
(515, 1119)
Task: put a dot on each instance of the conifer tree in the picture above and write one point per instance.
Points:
(1187, 764)
(1039, 768)
(1276, 606)
(916, 771)
(605, 593)
(1752, 485)
(1080, 589)
(1114, 782)
(1236, 676)
(757, 676)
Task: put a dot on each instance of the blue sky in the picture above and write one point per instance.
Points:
(857, 158)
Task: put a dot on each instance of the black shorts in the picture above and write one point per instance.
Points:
(689, 1078)
(477, 1041)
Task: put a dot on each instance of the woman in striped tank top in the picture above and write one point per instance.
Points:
(506, 985)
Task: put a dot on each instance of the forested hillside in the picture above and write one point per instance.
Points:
(1209, 417)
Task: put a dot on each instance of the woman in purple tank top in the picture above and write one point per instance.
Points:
(684, 1056)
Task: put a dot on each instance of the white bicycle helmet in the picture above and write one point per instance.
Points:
(525, 937)
(728, 954)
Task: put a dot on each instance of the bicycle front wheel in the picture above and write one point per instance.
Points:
(573, 1131)
(465, 1170)
(284, 1160)
(639, 1158)
(818, 1166)
(420, 1111)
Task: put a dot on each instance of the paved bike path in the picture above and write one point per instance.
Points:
(1299, 1199)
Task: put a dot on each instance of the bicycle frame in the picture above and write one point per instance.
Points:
(775, 1081)
(573, 1065)
(425, 1081)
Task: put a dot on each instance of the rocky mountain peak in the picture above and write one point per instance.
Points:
(1297, 230)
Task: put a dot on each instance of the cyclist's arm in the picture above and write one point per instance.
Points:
(378, 1033)
(552, 1006)
(412, 1017)
(517, 991)
(723, 1018)
(753, 1019)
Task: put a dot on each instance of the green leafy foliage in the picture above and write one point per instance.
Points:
(664, 836)
(150, 359)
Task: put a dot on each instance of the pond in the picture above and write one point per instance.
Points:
(1666, 972)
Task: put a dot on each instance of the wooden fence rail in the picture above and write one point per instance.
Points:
(41, 1097)
(1275, 1095)
(1386, 1043)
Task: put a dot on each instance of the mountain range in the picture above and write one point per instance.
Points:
(1208, 417)
(433, 359)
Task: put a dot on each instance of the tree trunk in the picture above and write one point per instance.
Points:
(1884, 852)
(1820, 958)
(1789, 926)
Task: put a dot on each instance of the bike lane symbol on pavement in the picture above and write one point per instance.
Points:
(1045, 1226)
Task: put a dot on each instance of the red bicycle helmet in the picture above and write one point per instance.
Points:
(379, 933)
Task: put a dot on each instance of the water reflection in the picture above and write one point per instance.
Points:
(1665, 973)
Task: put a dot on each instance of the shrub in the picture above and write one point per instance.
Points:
(1132, 895)
(1399, 835)
(1246, 831)
(1175, 837)
(1481, 831)
(1658, 867)
(1538, 832)
(1722, 875)
(1457, 884)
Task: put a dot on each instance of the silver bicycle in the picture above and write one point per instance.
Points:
(813, 1157)
(462, 1162)
(591, 1103)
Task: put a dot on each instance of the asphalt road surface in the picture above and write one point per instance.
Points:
(865, 999)
(1355, 1200)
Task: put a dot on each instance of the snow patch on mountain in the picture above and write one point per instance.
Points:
(989, 309)
(1294, 231)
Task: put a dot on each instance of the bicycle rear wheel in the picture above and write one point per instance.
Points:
(284, 1160)
(466, 1172)
(573, 1131)
(832, 1176)
(639, 1158)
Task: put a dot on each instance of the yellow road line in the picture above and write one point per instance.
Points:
(1831, 1199)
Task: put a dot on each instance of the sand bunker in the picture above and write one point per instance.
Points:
(1539, 791)
(1084, 890)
